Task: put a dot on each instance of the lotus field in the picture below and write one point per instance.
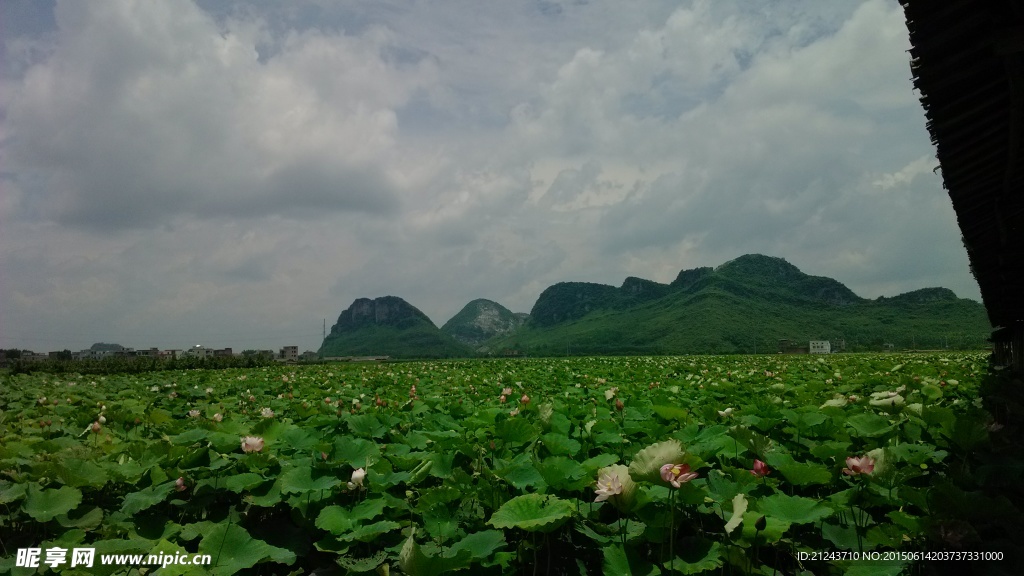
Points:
(855, 464)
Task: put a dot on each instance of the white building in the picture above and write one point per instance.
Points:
(820, 347)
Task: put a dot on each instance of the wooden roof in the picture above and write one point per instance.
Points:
(967, 61)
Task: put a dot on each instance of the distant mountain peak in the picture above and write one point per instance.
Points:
(384, 311)
(760, 264)
(388, 326)
(481, 320)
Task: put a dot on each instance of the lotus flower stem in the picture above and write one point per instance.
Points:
(671, 530)
(222, 541)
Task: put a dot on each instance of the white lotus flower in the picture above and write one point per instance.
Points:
(358, 476)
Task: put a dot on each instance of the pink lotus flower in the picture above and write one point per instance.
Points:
(619, 405)
(179, 484)
(677, 474)
(95, 426)
(525, 399)
(252, 444)
(502, 399)
(760, 469)
(861, 465)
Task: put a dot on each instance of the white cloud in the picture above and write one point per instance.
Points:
(172, 173)
(147, 110)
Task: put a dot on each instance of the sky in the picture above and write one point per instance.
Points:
(232, 173)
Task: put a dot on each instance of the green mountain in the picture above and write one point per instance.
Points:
(388, 326)
(745, 305)
(480, 321)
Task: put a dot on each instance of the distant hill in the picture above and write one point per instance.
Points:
(388, 326)
(745, 305)
(482, 320)
(752, 301)
(105, 347)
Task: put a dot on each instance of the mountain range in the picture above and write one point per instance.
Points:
(749, 304)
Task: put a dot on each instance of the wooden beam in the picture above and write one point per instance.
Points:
(1008, 41)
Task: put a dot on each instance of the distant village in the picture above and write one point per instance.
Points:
(290, 354)
(102, 352)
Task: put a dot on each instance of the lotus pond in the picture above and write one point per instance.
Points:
(639, 465)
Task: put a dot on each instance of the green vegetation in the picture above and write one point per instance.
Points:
(744, 306)
(631, 465)
(418, 341)
(136, 365)
(747, 305)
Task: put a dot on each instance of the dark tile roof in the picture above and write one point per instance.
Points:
(967, 58)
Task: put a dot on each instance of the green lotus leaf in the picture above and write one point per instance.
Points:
(300, 479)
(356, 452)
(46, 504)
(595, 463)
(931, 392)
(368, 509)
(232, 549)
(647, 463)
(79, 473)
(414, 562)
(86, 519)
(563, 473)
(700, 556)
(799, 473)
(371, 532)
(521, 475)
(671, 413)
(366, 425)
(479, 544)
(12, 493)
(170, 549)
(140, 500)
(335, 520)
(793, 509)
(243, 481)
(560, 444)
(533, 512)
(869, 425)
(616, 563)
(772, 532)
(516, 430)
(358, 565)
(842, 536)
(190, 437)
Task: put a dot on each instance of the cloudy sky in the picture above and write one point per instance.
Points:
(232, 173)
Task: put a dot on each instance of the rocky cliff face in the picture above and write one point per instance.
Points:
(688, 278)
(481, 320)
(384, 311)
(635, 289)
(388, 326)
